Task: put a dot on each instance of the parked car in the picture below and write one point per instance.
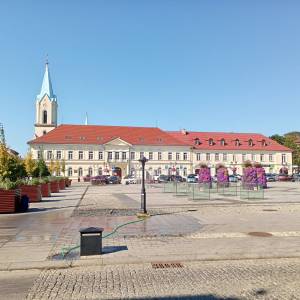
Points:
(155, 178)
(284, 177)
(238, 176)
(114, 180)
(296, 177)
(99, 180)
(233, 178)
(176, 178)
(163, 178)
(129, 180)
(271, 177)
(192, 178)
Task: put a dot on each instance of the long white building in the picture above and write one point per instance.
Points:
(96, 149)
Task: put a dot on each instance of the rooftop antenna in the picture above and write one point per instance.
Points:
(2, 135)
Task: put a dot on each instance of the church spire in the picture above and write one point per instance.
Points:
(47, 85)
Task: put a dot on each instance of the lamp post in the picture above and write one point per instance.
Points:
(143, 191)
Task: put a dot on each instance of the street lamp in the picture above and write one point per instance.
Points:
(143, 161)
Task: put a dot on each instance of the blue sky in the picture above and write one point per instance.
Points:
(202, 65)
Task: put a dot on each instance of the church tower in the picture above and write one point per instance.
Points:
(46, 107)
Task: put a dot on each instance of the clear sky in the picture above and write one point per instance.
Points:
(201, 65)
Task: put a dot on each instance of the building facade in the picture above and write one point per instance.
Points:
(96, 150)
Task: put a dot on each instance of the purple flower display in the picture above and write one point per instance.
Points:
(204, 175)
(249, 177)
(261, 177)
(222, 175)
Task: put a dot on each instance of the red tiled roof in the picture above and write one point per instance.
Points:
(230, 141)
(96, 134)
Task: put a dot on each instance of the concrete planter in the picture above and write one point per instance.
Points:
(46, 189)
(33, 192)
(10, 200)
(62, 184)
(54, 185)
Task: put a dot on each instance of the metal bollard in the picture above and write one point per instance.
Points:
(91, 241)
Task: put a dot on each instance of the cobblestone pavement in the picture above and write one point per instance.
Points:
(239, 279)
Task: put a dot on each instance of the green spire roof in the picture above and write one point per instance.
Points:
(47, 85)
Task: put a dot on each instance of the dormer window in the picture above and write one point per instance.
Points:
(237, 142)
(250, 143)
(222, 142)
(210, 142)
(264, 143)
(197, 141)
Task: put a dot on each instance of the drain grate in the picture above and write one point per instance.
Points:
(162, 265)
(260, 234)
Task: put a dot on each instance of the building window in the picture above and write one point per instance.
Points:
(177, 156)
(262, 157)
(70, 172)
(222, 142)
(184, 172)
(217, 157)
(158, 171)
(233, 157)
(49, 155)
(91, 155)
(80, 172)
(132, 155)
(224, 156)
(283, 158)
(253, 157)
(197, 141)
(141, 155)
(207, 156)
(44, 132)
(100, 155)
(45, 117)
(70, 155)
(39, 154)
(210, 142)
(237, 142)
(184, 156)
(198, 156)
(109, 155)
(243, 157)
(80, 155)
(263, 143)
(90, 172)
(100, 171)
(170, 156)
(117, 155)
(250, 143)
(270, 157)
(58, 154)
(159, 156)
(150, 155)
(124, 155)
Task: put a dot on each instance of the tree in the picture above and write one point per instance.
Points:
(57, 167)
(290, 142)
(42, 169)
(30, 164)
(63, 166)
(51, 167)
(278, 138)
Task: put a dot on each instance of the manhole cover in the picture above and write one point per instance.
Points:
(260, 234)
(161, 265)
(269, 209)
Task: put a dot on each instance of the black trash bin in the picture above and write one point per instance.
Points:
(91, 241)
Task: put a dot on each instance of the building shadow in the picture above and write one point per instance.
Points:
(189, 297)
(113, 249)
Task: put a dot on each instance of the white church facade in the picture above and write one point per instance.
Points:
(96, 149)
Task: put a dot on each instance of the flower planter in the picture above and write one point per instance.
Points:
(54, 185)
(33, 192)
(9, 200)
(62, 184)
(45, 189)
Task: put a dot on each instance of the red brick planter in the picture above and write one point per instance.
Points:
(45, 189)
(33, 192)
(54, 185)
(62, 184)
(9, 200)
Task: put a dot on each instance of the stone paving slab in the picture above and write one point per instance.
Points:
(251, 279)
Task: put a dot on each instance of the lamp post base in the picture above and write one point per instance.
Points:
(143, 215)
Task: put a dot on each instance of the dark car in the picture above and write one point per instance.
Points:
(176, 178)
(296, 177)
(114, 180)
(284, 177)
(270, 177)
(163, 178)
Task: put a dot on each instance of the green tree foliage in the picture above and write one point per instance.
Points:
(63, 166)
(290, 142)
(42, 169)
(30, 164)
(278, 138)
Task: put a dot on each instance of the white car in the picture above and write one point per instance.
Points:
(129, 180)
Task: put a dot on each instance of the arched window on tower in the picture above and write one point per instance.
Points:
(45, 117)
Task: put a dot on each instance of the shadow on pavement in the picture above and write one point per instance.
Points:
(113, 249)
(190, 297)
